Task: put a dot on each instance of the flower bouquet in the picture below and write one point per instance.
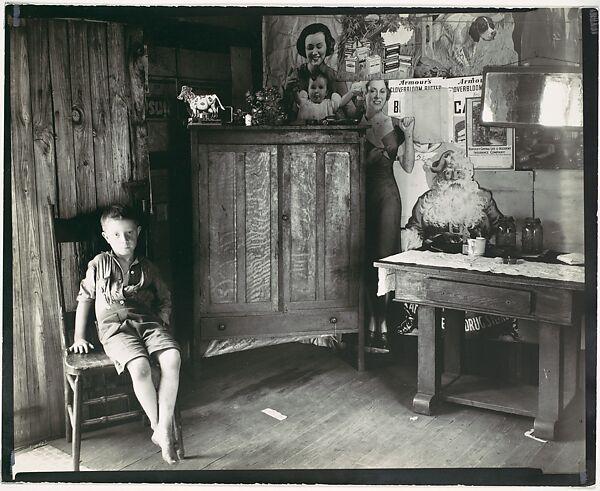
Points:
(266, 107)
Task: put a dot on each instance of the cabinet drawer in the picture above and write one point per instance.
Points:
(290, 323)
(479, 297)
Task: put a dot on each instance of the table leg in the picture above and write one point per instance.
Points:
(550, 381)
(429, 369)
(571, 342)
(454, 340)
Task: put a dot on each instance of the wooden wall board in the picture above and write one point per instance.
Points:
(63, 141)
(558, 202)
(41, 111)
(63, 124)
(48, 342)
(203, 65)
(21, 400)
(119, 94)
(241, 74)
(81, 99)
(512, 191)
(137, 71)
(101, 124)
(31, 404)
(162, 61)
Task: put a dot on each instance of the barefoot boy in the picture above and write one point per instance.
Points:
(133, 307)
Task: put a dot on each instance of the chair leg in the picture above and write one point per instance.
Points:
(178, 434)
(68, 424)
(76, 447)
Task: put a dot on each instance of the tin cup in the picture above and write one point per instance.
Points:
(476, 247)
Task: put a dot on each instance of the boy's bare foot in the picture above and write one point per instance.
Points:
(165, 442)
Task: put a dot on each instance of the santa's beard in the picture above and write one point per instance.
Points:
(455, 203)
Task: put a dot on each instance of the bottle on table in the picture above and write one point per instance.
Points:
(532, 236)
(506, 235)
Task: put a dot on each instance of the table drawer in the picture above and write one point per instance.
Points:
(479, 297)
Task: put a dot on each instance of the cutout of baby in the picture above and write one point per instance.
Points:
(319, 102)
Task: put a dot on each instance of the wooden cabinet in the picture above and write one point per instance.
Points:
(278, 231)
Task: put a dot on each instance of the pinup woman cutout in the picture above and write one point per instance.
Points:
(388, 139)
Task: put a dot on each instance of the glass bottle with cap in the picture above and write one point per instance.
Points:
(532, 236)
(506, 235)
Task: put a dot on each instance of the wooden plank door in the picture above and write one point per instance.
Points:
(236, 242)
(320, 203)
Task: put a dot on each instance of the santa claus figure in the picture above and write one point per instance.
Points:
(455, 207)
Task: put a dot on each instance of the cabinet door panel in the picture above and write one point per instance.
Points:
(321, 197)
(222, 228)
(337, 225)
(303, 226)
(260, 226)
(241, 232)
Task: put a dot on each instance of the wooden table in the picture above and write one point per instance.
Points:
(481, 285)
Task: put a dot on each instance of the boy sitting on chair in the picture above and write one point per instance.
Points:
(133, 307)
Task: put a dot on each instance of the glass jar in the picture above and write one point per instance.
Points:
(532, 237)
(506, 235)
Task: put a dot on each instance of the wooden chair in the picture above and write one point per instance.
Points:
(77, 367)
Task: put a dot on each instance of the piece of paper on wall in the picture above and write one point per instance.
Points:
(429, 101)
(487, 146)
(462, 88)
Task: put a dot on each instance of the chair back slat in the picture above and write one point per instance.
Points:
(91, 331)
(58, 291)
(72, 244)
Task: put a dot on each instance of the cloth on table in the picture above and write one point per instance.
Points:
(560, 272)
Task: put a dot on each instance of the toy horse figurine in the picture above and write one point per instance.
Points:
(201, 107)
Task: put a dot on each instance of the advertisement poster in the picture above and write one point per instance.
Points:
(380, 46)
(462, 88)
(280, 52)
(462, 43)
(429, 101)
(488, 147)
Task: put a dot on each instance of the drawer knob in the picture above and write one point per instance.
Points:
(333, 320)
(285, 218)
(221, 327)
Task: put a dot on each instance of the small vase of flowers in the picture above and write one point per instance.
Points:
(266, 107)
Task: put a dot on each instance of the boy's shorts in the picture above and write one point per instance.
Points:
(134, 339)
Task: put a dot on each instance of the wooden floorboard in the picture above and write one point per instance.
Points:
(337, 418)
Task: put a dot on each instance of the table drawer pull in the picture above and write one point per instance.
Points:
(478, 297)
